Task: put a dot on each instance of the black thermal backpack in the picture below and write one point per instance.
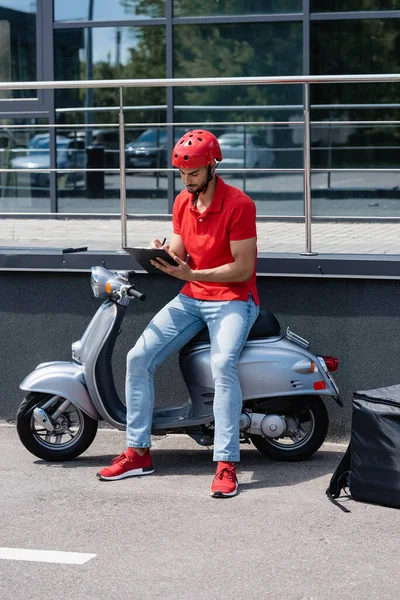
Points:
(370, 468)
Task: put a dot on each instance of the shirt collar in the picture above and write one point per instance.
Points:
(218, 198)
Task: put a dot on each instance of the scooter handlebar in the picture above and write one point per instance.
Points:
(135, 294)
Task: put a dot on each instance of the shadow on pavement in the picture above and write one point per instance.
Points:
(264, 472)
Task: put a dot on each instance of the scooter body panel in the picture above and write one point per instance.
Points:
(64, 379)
(94, 352)
(267, 368)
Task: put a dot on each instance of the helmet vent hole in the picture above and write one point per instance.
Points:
(182, 142)
(191, 135)
(190, 142)
(185, 157)
(200, 139)
(200, 132)
(176, 156)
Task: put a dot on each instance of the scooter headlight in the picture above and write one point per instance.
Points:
(99, 280)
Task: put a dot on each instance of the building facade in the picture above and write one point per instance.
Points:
(118, 39)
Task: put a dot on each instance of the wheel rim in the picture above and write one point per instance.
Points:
(71, 426)
(304, 429)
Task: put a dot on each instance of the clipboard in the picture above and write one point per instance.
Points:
(143, 256)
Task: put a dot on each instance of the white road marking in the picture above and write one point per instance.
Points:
(48, 556)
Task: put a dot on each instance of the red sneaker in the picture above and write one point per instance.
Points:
(127, 464)
(225, 482)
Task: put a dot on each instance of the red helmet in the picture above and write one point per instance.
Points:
(196, 148)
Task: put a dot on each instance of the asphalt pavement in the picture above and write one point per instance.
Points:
(164, 537)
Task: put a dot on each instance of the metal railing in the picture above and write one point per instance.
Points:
(122, 84)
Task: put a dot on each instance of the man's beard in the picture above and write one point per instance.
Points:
(196, 189)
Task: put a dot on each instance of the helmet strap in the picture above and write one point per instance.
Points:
(203, 190)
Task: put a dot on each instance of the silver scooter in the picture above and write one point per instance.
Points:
(282, 383)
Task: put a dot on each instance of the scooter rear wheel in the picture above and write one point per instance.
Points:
(312, 422)
(74, 434)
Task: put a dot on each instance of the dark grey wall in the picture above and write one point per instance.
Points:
(355, 319)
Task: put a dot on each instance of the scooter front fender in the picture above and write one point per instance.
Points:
(64, 379)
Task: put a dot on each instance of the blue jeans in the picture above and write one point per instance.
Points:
(229, 323)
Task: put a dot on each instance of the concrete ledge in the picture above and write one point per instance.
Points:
(361, 266)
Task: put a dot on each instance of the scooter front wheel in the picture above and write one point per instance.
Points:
(67, 434)
(308, 426)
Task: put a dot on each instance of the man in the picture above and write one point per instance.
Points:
(214, 246)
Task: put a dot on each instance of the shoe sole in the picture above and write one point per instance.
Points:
(132, 473)
(219, 494)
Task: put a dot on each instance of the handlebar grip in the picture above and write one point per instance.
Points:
(135, 294)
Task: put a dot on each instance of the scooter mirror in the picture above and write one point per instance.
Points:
(123, 276)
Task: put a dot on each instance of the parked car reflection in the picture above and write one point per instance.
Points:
(255, 154)
(149, 150)
(70, 155)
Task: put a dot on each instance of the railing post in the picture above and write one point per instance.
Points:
(307, 167)
(122, 173)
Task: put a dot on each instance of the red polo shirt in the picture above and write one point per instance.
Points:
(231, 216)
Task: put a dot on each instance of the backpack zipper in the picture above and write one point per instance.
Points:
(376, 401)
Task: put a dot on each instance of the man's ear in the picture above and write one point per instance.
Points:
(213, 166)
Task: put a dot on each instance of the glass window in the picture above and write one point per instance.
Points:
(364, 46)
(18, 45)
(279, 195)
(356, 46)
(258, 141)
(242, 50)
(352, 5)
(107, 10)
(109, 53)
(152, 137)
(204, 8)
(355, 194)
(25, 149)
(358, 146)
(99, 191)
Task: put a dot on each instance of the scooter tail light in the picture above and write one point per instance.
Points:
(332, 363)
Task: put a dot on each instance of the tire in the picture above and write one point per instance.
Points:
(81, 432)
(309, 410)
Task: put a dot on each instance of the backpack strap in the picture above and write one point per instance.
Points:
(342, 481)
(339, 480)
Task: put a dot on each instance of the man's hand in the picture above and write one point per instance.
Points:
(183, 271)
(156, 243)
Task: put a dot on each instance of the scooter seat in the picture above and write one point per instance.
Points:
(266, 325)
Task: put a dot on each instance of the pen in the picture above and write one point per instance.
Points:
(165, 239)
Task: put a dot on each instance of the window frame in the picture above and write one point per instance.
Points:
(43, 54)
